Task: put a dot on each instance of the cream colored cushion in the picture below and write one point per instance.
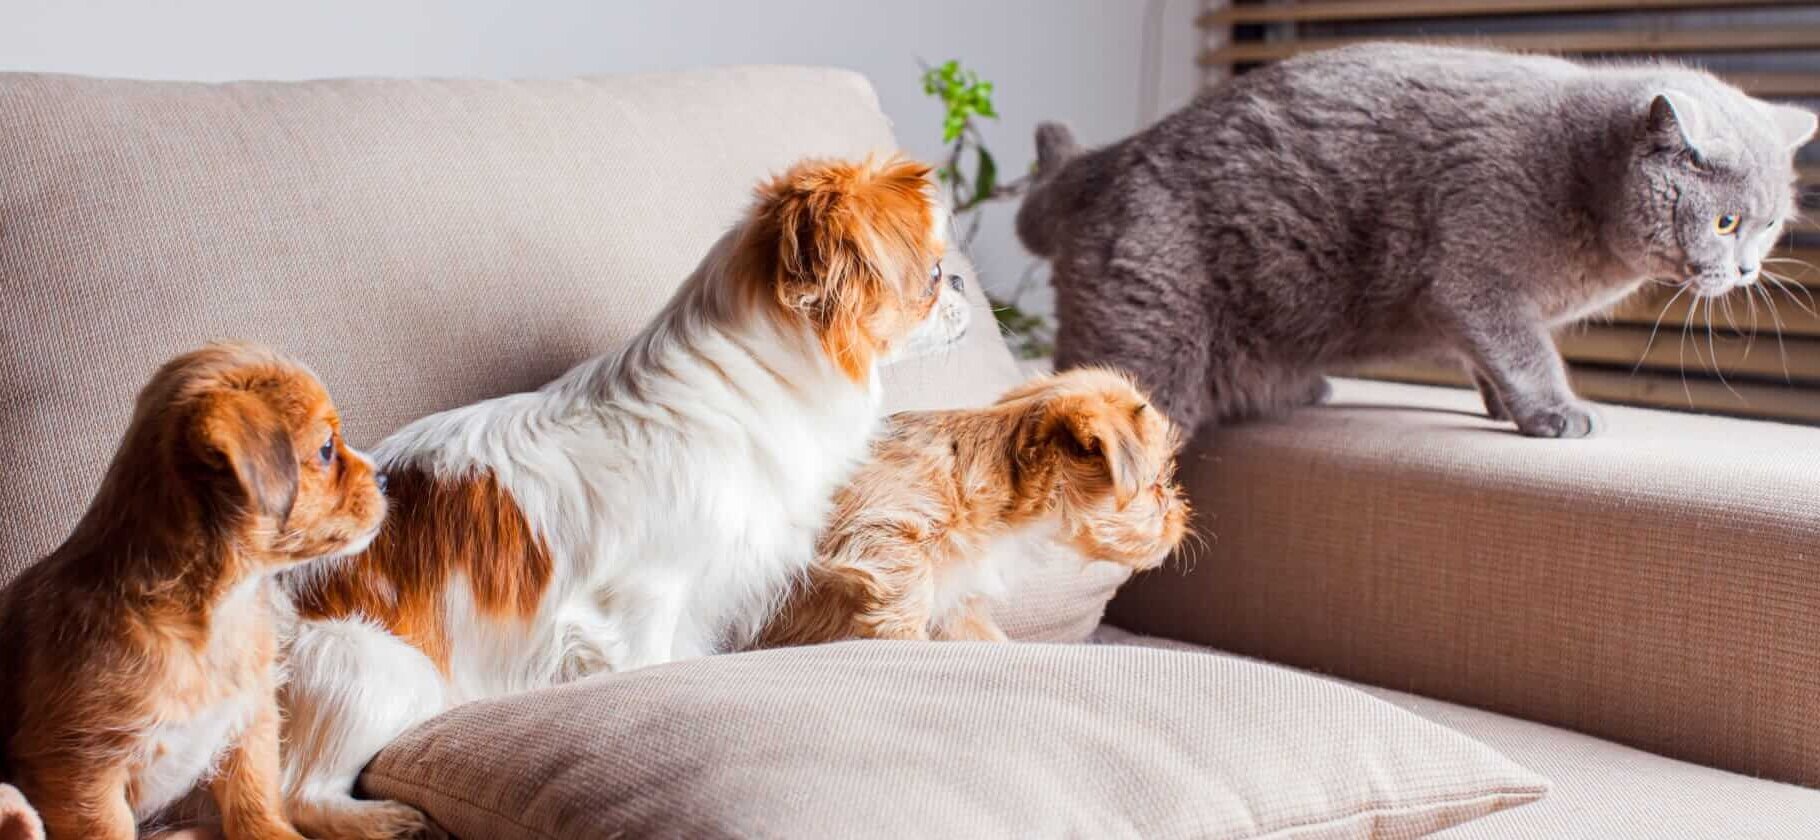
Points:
(931, 739)
(1601, 790)
(1656, 585)
(422, 244)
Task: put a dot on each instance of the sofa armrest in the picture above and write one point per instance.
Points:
(1658, 585)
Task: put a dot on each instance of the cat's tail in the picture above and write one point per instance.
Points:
(1048, 198)
(1054, 146)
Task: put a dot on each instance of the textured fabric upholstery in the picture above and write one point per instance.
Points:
(1600, 790)
(1655, 585)
(946, 739)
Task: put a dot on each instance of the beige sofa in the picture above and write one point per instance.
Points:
(1632, 617)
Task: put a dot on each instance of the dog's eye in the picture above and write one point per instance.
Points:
(327, 452)
(935, 274)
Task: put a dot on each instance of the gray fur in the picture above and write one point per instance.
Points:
(1387, 201)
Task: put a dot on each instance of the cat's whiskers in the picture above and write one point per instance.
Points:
(1776, 319)
(1681, 347)
(1679, 291)
(1713, 352)
(1750, 339)
(1790, 261)
(1782, 282)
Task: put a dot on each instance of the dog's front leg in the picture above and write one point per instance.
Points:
(246, 790)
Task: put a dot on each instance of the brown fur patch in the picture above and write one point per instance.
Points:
(438, 529)
(849, 245)
(1084, 446)
(130, 622)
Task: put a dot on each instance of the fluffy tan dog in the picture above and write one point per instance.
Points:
(139, 655)
(956, 505)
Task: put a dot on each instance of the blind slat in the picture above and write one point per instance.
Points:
(1696, 352)
(1334, 10)
(1655, 390)
(1774, 85)
(1601, 42)
(1746, 312)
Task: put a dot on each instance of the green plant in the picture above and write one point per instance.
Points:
(971, 176)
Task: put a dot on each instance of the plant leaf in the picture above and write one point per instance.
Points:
(986, 179)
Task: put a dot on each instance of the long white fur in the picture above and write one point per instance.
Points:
(678, 485)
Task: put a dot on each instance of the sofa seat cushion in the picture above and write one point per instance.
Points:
(922, 739)
(1601, 790)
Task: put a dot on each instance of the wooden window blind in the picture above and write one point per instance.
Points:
(1729, 358)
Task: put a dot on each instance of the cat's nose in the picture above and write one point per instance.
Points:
(379, 479)
(1747, 270)
(956, 283)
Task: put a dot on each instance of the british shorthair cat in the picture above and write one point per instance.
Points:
(1385, 201)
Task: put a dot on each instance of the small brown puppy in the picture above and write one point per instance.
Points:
(955, 505)
(138, 661)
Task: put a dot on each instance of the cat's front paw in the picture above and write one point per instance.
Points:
(1317, 392)
(1494, 404)
(1569, 420)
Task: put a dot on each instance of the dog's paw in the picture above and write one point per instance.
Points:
(398, 821)
(365, 819)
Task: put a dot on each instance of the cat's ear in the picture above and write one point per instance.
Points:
(1674, 123)
(1795, 126)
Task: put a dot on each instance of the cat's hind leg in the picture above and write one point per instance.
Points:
(1253, 394)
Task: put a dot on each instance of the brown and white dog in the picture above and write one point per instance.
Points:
(956, 506)
(649, 505)
(139, 654)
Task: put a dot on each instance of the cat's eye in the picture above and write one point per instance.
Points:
(935, 275)
(327, 452)
(1726, 225)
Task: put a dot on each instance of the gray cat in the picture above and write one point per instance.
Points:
(1385, 201)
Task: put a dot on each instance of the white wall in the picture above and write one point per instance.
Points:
(1077, 60)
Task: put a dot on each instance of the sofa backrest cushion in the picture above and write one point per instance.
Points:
(421, 244)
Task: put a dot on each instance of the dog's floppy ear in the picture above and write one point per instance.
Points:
(836, 237)
(1096, 433)
(236, 432)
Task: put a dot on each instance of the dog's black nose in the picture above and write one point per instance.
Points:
(956, 283)
(379, 479)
